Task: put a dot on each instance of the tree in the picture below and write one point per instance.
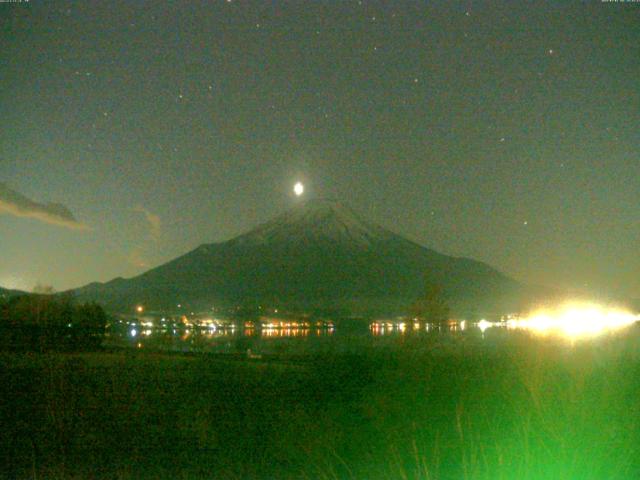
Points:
(88, 325)
(43, 289)
(432, 306)
(48, 322)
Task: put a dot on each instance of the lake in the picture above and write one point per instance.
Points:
(311, 340)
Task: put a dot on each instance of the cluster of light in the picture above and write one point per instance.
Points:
(483, 325)
(275, 323)
(576, 320)
(285, 332)
(380, 328)
(209, 333)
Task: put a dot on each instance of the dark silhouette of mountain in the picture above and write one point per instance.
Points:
(6, 293)
(318, 254)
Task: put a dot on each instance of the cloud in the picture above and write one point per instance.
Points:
(16, 204)
(136, 256)
(155, 224)
(136, 259)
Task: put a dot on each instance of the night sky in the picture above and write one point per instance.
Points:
(506, 132)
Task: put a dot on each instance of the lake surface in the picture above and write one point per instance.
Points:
(328, 339)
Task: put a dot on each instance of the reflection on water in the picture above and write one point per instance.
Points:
(227, 338)
(267, 336)
(382, 328)
(284, 332)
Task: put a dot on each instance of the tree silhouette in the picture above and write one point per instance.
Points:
(49, 322)
(432, 306)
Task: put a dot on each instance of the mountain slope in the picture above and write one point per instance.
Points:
(319, 253)
(5, 293)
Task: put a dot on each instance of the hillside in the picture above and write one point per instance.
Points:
(319, 254)
(6, 293)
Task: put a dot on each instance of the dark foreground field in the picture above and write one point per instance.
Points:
(404, 409)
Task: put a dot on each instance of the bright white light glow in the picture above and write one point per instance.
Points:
(483, 325)
(576, 320)
(298, 189)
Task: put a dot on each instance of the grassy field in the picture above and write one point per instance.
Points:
(407, 408)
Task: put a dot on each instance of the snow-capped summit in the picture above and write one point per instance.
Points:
(314, 221)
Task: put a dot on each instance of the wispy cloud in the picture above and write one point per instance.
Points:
(154, 229)
(136, 259)
(155, 224)
(16, 204)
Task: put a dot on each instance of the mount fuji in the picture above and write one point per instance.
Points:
(318, 255)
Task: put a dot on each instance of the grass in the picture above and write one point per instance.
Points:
(403, 408)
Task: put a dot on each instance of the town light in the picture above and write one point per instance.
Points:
(576, 320)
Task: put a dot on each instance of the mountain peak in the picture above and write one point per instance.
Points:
(316, 220)
(318, 254)
(319, 207)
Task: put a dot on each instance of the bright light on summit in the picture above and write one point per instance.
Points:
(298, 189)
